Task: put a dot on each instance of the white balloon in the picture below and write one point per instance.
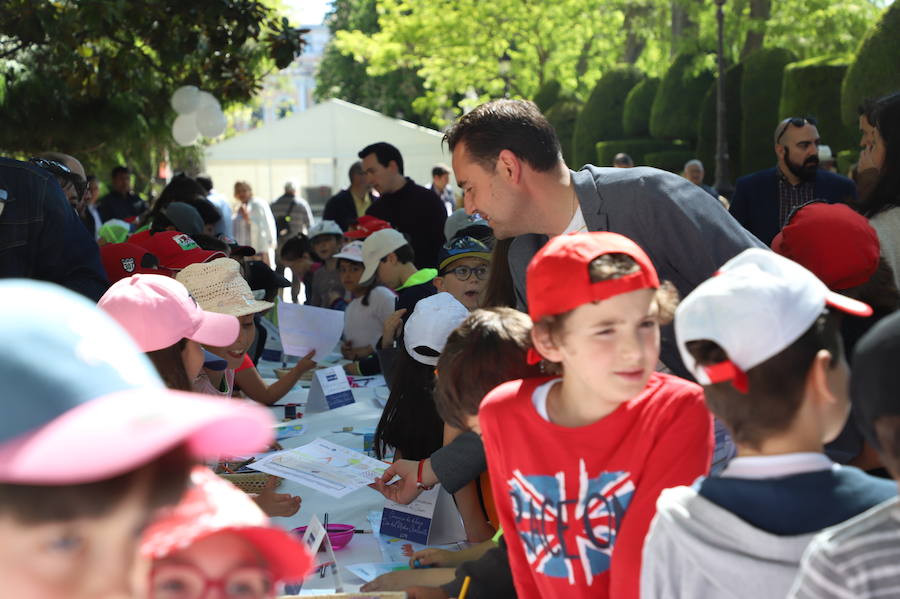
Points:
(211, 121)
(184, 130)
(205, 100)
(186, 99)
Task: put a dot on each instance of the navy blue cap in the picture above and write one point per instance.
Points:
(462, 247)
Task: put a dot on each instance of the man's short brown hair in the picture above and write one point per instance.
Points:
(776, 386)
(514, 125)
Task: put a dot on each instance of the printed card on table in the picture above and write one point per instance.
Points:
(432, 519)
(313, 538)
(330, 389)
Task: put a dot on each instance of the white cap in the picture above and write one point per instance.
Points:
(758, 304)
(432, 321)
(378, 245)
(825, 154)
(351, 251)
(325, 227)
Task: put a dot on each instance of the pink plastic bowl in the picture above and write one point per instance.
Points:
(340, 534)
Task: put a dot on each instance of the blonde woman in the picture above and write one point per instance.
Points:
(253, 223)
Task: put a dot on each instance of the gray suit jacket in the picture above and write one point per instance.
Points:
(686, 233)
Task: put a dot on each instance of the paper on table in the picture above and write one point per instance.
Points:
(369, 572)
(307, 328)
(291, 428)
(324, 466)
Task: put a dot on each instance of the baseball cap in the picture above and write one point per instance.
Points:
(219, 287)
(459, 220)
(431, 322)
(378, 245)
(213, 505)
(260, 275)
(365, 226)
(558, 280)
(758, 304)
(325, 227)
(184, 217)
(81, 403)
(122, 260)
(875, 377)
(177, 250)
(462, 247)
(833, 241)
(351, 251)
(158, 311)
(235, 248)
(114, 231)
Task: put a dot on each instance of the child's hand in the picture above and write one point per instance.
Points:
(347, 350)
(401, 579)
(392, 327)
(404, 490)
(426, 593)
(305, 363)
(277, 504)
(440, 558)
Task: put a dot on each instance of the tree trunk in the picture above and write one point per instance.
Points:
(634, 41)
(760, 11)
(683, 28)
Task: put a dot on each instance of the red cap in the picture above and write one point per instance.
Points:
(365, 226)
(833, 241)
(214, 505)
(122, 260)
(177, 250)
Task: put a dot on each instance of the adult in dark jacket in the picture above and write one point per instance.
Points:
(411, 209)
(763, 201)
(351, 203)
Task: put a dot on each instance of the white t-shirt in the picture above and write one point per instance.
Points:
(539, 398)
(363, 325)
(577, 224)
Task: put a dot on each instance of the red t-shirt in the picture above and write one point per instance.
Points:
(245, 364)
(576, 503)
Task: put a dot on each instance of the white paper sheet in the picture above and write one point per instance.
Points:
(369, 572)
(324, 466)
(307, 328)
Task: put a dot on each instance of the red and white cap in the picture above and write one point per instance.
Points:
(758, 304)
(213, 505)
(158, 311)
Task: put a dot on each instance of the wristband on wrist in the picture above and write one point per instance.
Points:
(419, 478)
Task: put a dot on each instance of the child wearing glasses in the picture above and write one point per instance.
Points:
(463, 267)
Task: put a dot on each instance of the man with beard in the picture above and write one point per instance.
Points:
(763, 201)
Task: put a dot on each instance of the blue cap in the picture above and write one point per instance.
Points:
(462, 247)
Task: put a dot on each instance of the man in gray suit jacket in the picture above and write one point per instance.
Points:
(508, 162)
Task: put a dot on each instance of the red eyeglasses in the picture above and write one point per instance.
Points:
(185, 581)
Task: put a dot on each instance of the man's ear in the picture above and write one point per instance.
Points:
(544, 343)
(509, 166)
(779, 150)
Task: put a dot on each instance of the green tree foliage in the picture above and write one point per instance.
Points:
(706, 133)
(760, 96)
(810, 88)
(638, 102)
(636, 148)
(562, 116)
(601, 116)
(547, 95)
(342, 76)
(94, 78)
(875, 71)
(676, 106)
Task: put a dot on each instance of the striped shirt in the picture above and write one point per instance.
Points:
(857, 559)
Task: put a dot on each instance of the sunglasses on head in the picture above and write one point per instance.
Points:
(796, 121)
(63, 173)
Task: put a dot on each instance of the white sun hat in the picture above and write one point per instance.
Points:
(431, 323)
(219, 287)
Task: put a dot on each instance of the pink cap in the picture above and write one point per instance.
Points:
(214, 505)
(158, 311)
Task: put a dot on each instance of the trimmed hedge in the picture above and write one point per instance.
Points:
(809, 88)
(638, 103)
(670, 160)
(706, 130)
(760, 95)
(875, 70)
(601, 116)
(636, 148)
(547, 95)
(676, 107)
(562, 116)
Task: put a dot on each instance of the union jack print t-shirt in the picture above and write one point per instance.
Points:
(576, 503)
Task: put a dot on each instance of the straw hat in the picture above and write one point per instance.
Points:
(219, 287)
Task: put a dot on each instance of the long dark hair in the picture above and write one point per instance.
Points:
(887, 190)
(410, 422)
(499, 290)
(170, 366)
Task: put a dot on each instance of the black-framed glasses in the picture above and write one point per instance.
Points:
(796, 121)
(63, 174)
(464, 272)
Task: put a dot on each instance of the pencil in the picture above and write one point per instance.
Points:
(465, 588)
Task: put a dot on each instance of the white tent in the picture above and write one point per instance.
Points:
(315, 149)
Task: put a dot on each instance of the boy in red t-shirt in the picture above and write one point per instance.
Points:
(581, 459)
